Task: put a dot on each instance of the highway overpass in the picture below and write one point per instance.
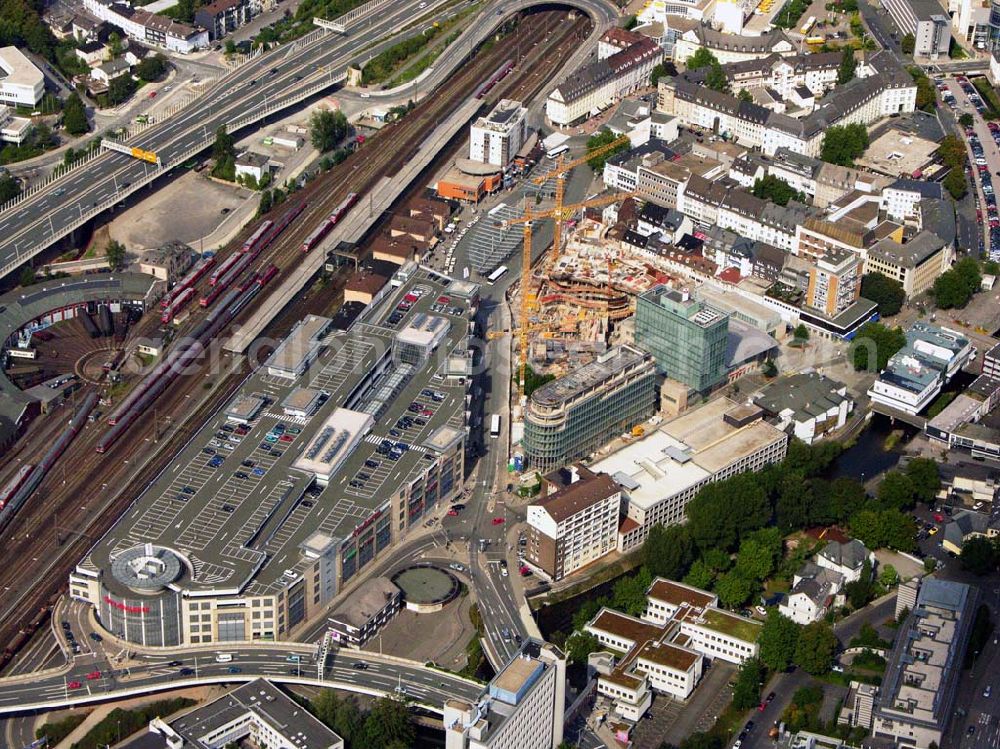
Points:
(148, 674)
(266, 85)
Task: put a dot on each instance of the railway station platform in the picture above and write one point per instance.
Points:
(369, 208)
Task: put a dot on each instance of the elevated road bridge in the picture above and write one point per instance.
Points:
(89, 680)
(264, 86)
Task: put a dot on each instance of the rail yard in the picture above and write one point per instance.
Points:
(102, 485)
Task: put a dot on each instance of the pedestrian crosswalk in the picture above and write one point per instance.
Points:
(376, 439)
(298, 421)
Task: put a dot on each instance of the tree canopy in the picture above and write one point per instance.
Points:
(776, 190)
(907, 44)
(715, 77)
(9, 188)
(224, 155)
(878, 529)
(778, 641)
(844, 143)
(876, 341)
(955, 287)
(749, 679)
(847, 66)
(667, 551)
(980, 555)
(75, 115)
(599, 140)
(926, 93)
(115, 253)
(886, 292)
(152, 68)
(327, 129)
(815, 648)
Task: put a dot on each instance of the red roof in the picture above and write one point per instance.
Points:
(628, 524)
(730, 275)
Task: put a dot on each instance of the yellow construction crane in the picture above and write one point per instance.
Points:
(528, 296)
(560, 212)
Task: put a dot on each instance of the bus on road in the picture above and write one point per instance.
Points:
(557, 151)
(496, 275)
(495, 426)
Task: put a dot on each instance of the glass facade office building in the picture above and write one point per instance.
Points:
(686, 337)
(573, 416)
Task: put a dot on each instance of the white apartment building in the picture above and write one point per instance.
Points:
(901, 199)
(927, 21)
(666, 648)
(882, 88)
(149, 28)
(21, 83)
(711, 204)
(660, 473)
(731, 47)
(575, 525)
(597, 85)
(817, 72)
(497, 137)
(522, 708)
(257, 711)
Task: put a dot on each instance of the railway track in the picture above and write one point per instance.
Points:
(68, 513)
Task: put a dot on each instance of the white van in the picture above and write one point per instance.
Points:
(223, 657)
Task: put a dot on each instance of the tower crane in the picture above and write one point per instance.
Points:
(528, 295)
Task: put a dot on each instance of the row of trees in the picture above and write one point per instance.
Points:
(953, 155)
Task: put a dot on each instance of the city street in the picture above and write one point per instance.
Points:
(785, 684)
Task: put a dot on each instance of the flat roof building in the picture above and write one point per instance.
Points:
(301, 402)
(573, 416)
(21, 82)
(808, 404)
(916, 373)
(300, 347)
(324, 453)
(915, 264)
(244, 407)
(521, 708)
(257, 709)
(917, 697)
(687, 337)
(660, 473)
(664, 651)
(497, 137)
(259, 530)
(365, 611)
(927, 21)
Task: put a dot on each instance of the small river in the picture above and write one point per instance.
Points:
(865, 459)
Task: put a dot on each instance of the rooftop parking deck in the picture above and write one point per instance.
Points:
(233, 502)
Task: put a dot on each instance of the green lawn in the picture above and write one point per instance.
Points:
(732, 625)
